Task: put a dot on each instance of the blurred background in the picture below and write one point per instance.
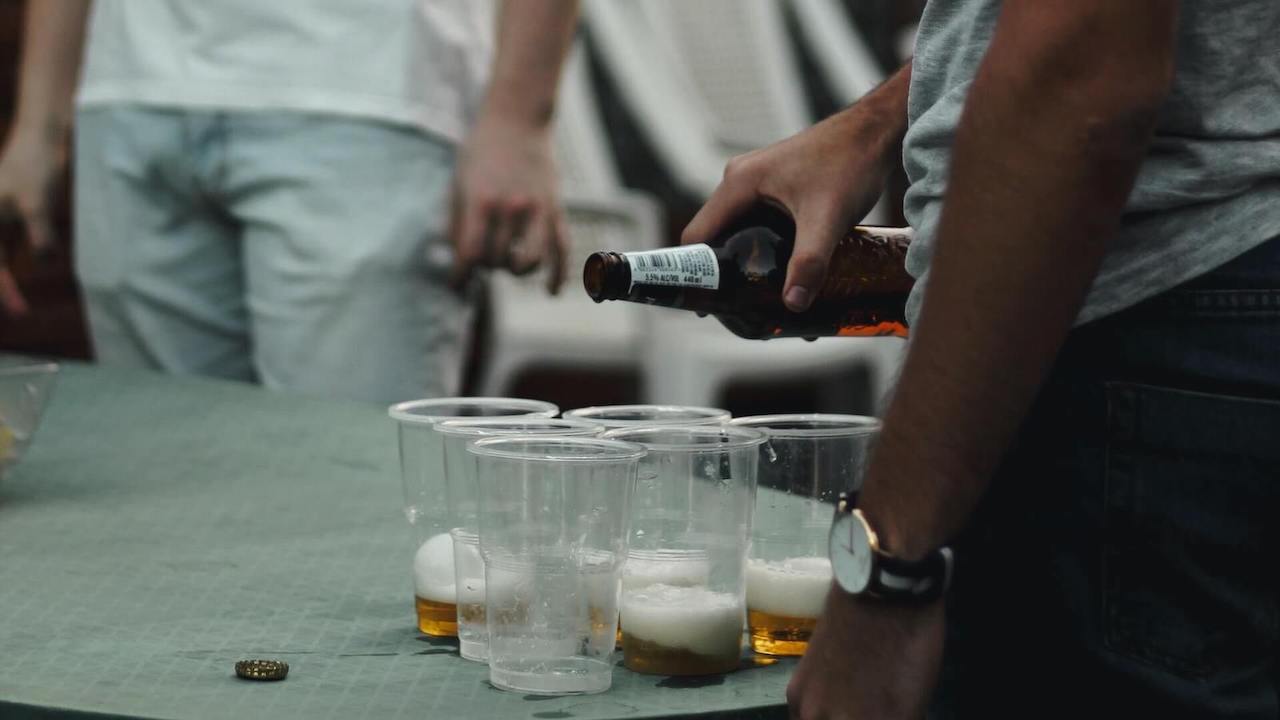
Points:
(657, 96)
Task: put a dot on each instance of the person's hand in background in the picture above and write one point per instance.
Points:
(505, 208)
(827, 177)
(35, 153)
(31, 166)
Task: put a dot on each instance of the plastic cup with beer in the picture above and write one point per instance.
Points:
(553, 536)
(809, 460)
(423, 479)
(463, 502)
(683, 586)
(617, 417)
(614, 417)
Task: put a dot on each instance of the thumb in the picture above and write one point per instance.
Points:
(816, 238)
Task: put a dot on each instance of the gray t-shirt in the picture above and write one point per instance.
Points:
(1209, 188)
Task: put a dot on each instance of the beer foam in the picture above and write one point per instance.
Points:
(696, 619)
(639, 572)
(433, 570)
(795, 587)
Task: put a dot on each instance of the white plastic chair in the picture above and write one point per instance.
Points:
(529, 327)
(711, 359)
(738, 57)
(848, 66)
(656, 93)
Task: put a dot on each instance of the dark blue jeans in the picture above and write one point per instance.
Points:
(1126, 560)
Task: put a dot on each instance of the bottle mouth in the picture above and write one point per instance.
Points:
(606, 276)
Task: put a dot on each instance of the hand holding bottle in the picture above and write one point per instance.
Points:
(827, 177)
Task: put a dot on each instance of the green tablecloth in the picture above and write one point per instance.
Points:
(160, 529)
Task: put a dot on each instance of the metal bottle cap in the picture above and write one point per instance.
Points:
(262, 669)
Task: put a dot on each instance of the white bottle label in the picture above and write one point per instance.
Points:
(689, 266)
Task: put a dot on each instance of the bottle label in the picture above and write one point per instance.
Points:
(689, 266)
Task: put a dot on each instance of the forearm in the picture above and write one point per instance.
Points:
(52, 44)
(533, 38)
(1043, 161)
(880, 117)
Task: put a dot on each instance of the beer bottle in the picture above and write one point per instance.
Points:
(738, 278)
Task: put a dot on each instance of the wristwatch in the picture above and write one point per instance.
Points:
(862, 568)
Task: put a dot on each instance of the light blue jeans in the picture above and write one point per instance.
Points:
(305, 252)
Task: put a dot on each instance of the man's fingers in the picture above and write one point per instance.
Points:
(11, 299)
(816, 238)
(467, 227)
(558, 245)
(527, 254)
(508, 220)
(737, 192)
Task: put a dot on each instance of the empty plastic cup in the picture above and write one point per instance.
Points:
(683, 586)
(808, 462)
(553, 537)
(614, 417)
(463, 503)
(422, 475)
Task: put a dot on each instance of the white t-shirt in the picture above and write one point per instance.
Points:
(417, 62)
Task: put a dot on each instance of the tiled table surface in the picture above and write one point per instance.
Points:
(160, 529)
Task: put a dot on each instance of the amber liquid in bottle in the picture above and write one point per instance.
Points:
(738, 278)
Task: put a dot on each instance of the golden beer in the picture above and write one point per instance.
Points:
(779, 634)
(678, 630)
(645, 656)
(436, 618)
(784, 600)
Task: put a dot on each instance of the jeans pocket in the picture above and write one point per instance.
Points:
(1189, 548)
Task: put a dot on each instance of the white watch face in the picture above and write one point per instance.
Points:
(850, 550)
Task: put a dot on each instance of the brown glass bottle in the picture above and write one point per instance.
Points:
(738, 278)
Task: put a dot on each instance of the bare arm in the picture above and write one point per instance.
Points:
(52, 42)
(533, 38)
(34, 153)
(1053, 132)
(505, 210)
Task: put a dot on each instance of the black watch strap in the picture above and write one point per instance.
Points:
(902, 581)
(898, 580)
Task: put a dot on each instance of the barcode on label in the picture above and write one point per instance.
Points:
(662, 262)
(690, 266)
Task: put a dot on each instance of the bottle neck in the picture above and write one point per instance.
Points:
(607, 276)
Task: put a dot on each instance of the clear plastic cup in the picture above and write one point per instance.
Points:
(808, 462)
(614, 417)
(422, 475)
(463, 504)
(553, 536)
(683, 586)
(25, 387)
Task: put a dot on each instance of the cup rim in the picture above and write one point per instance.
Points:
(493, 447)
(595, 413)
(747, 437)
(477, 426)
(826, 425)
(405, 411)
(28, 368)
